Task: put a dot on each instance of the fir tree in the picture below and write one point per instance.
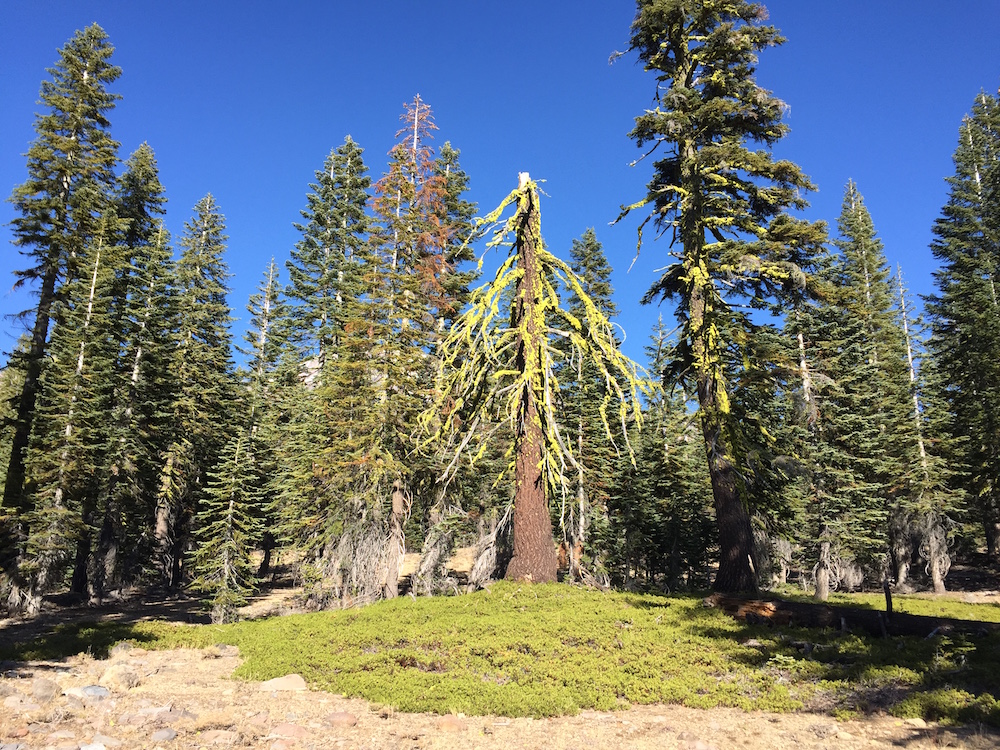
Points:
(322, 268)
(965, 315)
(58, 209)
(142, 320)
(201, 366)
(70, 439)
(582, 393)
(725, 206)
(661, 531)
(495, 372)
(227, 526)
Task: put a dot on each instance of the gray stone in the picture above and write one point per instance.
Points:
(163, 735)
(103, 739)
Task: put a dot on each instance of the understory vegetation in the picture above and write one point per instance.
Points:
(549, 650)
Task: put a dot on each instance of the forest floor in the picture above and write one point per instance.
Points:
(186, 698)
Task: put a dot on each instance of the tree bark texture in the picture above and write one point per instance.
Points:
(534, 554)
(737, 568)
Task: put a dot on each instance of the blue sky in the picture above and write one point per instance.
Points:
(246, 99)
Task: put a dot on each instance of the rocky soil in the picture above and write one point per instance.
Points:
(187, 699)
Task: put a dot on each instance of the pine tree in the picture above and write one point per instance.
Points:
(725, 206)
(203, 395)
(70, 169)
(839, 443)
(965, 315)
(495, 372)
(227, 527)
(142, 318)
(322, 267)
(661, 531)
(69, 440)
(582, 392)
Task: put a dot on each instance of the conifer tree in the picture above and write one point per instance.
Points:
(58, 208)
(723, 206)
(839, 443)
(495, 372)
(70, 439)
(142, 318)
(582, 393)
(661, 530)
(227, 526)
(320, 269)
(965, 315)
(203, 394)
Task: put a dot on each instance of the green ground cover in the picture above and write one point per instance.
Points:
(546, 650)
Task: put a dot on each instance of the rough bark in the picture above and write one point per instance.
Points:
(534, 554)
(823, 569)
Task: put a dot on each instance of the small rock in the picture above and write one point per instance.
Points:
(18, 732)
(218, 737)
(103, 739)
(91, 746)
(915, 723)
(7, 688)
(823, 730)
(163, 735)
(120, 677)
(844, 735)
(13, 701)
(44, 690)
(451, 723)
(62, 734)
(289, 731)
(94, 692)
(259, 719)
(283, 744)
(121, 649)
(702, 745)
(172, 715)
(685, 736)
(288, 682)
(341, 719)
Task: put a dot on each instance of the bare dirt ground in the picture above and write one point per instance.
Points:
(187, 699)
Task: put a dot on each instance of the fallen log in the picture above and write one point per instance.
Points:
(779, 612)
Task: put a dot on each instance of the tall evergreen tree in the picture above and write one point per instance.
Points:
(58, 208)
(203, 391)
(495, 372)
(965, 315)
(322, 267)
(142, 319)
(69, 441)
(725, 205)
(582, 393)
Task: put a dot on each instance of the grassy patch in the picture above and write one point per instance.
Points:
(555, 649)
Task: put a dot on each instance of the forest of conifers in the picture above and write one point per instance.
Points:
(798, 417)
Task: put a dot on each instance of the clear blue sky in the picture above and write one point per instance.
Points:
(246, 99)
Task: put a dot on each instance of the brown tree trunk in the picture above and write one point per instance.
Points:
(534, 554)
(823, 568)
(737, 567)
